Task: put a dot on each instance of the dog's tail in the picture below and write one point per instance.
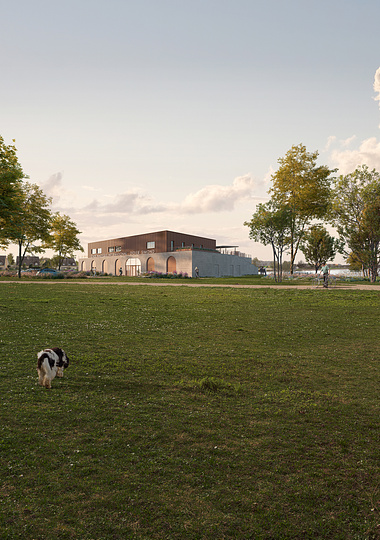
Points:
(42, 356)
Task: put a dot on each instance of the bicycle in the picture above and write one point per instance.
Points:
(331, 281)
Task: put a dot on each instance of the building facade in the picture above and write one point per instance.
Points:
(165, 252)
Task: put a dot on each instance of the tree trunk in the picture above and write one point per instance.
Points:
(20, 258)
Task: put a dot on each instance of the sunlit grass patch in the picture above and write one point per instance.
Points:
(189, 413)
(211, 384)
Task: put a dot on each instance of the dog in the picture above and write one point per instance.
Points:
(51, 363)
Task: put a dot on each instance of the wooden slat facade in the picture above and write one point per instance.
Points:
(164, 241)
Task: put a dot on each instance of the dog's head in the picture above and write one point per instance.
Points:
(63, 359)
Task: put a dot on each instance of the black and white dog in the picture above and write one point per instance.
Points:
(51, 363)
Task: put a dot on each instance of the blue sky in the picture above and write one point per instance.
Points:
(147, 115)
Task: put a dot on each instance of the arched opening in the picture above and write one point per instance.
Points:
(171, 265)
(104, 267)
(82, 266)
(118, 268)
(150, 265)
(133, 267)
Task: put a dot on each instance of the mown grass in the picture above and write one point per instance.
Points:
(190, 413)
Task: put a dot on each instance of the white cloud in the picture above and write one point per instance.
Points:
(135, 211)
(210, 199)
(53, 186)
(330, 141)
(217, 198)
(90, 188)
(376, 85)
(347, 160)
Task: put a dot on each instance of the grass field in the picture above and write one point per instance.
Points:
(186, 413)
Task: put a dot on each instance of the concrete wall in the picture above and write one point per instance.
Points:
(218, 265)
(210, 264)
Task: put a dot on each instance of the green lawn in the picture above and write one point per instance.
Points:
(190, 413)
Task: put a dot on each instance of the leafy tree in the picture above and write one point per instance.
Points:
(270, 225)
(11, 259)
(356, 265)
(355, 211)
(11, 176)
(30, 222)
(63, 237)
(304, 189)
(318, 246)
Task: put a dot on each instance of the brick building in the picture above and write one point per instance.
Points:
(165, 251)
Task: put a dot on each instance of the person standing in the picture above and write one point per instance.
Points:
(325, 271)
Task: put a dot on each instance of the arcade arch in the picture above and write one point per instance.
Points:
(133, 267)
(171, 265)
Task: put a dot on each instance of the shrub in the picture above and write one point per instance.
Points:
(77, 275)
(174, 275)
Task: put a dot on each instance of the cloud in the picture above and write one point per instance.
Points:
(210, 199)
(330, 141)
(53, 186)
(90, 188)
(133, 211)
(347, 160)
(217, 198)
(376, 85)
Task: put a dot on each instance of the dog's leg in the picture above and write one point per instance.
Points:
(59, 372)
(47, 383)
(41, 376)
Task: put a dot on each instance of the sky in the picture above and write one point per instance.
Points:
(148, 115)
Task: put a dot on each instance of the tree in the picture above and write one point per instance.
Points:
(30, 222)
(11, 176)
(304, 189)
(63, 237)
(356, 265)
(11, 259)
(318, 246)
(270, 225)
(355, 211)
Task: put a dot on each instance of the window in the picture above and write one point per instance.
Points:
(99, 250)
(118, 248)
(150, 245)
(133, 267)
(111, 249)
(171, 245)
(93, 251)
(183, 244)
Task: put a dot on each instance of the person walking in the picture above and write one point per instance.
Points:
(325, 271)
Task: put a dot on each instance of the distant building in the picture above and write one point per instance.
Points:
(166, 252)
(29, 261)
(68, 262)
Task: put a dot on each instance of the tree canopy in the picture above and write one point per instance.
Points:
(11, 176)
(30, 222)
(355, 211)
(304, 189)
(63, 237)
(270, 225)
(319, 247)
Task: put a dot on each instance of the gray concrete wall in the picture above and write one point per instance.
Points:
(210, 264)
